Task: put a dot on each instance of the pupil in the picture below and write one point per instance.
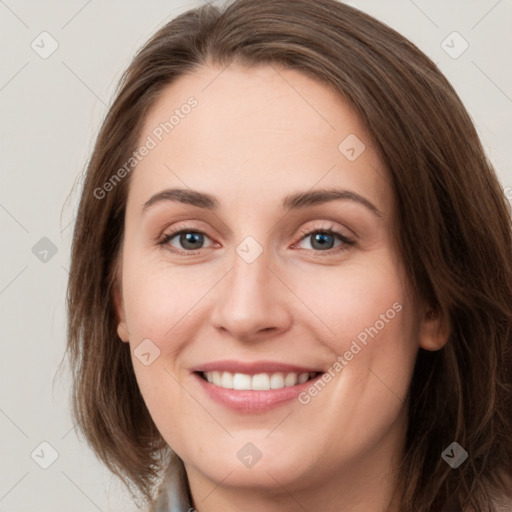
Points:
(321, 238)
(190, 238)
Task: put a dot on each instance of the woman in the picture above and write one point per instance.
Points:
(291, 278)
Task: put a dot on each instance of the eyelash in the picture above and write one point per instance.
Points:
(331, 230)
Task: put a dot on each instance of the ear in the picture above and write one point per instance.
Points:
(117, 294)
(434, 330)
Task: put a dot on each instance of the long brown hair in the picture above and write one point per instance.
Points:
(453, 230)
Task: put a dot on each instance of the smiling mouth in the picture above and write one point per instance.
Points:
(256, 382)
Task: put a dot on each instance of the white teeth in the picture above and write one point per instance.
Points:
(226, 380)
(258, 382)
(277, 381)
(303, 377)
(261, 381)
(241, 381)
(290, 379)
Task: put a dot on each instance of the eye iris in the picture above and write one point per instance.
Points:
(323, 239)
(190, 238)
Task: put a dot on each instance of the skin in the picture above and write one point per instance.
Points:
(257, 135)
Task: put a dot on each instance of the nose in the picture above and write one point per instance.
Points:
(253, 301)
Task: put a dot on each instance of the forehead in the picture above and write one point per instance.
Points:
(263, 128)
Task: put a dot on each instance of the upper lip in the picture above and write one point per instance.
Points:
(253, 367)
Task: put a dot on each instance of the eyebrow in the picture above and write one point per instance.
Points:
(290, 202)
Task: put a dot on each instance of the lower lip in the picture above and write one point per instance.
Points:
(253, 401)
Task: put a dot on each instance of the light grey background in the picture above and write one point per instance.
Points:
(50, 113)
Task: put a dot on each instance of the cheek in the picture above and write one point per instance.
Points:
(359, 301)
(161, 302)
(369, 323)
(372, 338)
(159, 307)
(169, 319)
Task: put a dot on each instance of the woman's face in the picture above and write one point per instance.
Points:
(258, 253)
